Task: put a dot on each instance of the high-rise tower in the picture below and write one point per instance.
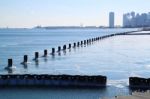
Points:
(111, 19)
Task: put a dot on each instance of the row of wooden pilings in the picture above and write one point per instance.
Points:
(64, 48)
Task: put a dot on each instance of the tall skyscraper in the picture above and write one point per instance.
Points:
(111, 19)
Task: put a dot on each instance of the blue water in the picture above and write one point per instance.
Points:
(117, 58)
(14, 43)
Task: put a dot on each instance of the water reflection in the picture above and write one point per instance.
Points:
(64, 52)
(60, 93)
(45, 59)
(59, 53)
(10, 71)
(37, 63)
(25, 66)
(53, 57)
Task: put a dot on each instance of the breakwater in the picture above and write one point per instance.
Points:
(140, 83)
(52, 80)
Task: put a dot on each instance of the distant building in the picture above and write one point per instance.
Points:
(111, 19)
(132, 20)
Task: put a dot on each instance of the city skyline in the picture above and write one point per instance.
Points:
(29, 13)
(133, 19)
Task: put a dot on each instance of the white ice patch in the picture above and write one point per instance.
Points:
(77, 67)
(133, 74)
(118, 83)
(147, 66)
(142, 32)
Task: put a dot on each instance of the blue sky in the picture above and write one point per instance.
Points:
(29, 13)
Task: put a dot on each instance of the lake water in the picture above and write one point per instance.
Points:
(117, 58)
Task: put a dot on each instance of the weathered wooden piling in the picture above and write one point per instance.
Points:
(100, 38)
(78, 44)
(10, 63)
(45, 53)
(25, 61)
(36, 55)
(25, 58)
(87, 41)
(84, 42)
(92, 40)
(69, 46)
(96, 38)
(81, 43)
(74, 45)
(59, 49)
(53, 51)
(64, 47)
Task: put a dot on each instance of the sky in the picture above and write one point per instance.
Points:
(30, 13)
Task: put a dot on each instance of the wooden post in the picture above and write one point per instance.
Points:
(10, 63)
(74, 45)
(69, 46)
(53, 51)
(81, 42)
(84, 42)
(59, 48)
(36, 55)
(64, 47)
(78, 44)
(45, 53)
(25, 59)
